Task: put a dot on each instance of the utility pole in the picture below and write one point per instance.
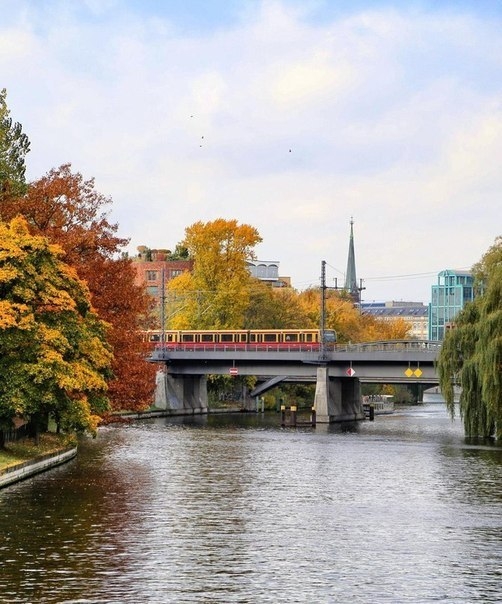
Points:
(162, 307)
(323, 310)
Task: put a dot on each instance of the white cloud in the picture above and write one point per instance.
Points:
(392, 117)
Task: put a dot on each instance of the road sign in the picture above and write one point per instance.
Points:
(410, 372)
(233, 370)
(350, 372)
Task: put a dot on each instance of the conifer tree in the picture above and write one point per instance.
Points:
(14, 145)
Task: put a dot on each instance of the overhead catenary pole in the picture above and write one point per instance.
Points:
(323, 309)
(162, 307)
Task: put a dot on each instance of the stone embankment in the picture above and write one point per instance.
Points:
(157, 413)
(28, 468)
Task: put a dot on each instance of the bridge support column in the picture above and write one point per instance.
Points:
(160, 396)
(183, 394)
(337, 399)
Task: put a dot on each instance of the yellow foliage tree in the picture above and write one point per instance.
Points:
(346, 319)
(53, 355)
(274, 308)
(216, 294)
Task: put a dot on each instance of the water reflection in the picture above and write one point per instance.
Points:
(238, 509)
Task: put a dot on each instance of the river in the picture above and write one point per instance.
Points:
(236, 509)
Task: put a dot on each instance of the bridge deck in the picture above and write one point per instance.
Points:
(398, 361)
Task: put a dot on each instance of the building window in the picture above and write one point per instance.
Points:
(152, 275)
(175, 272)
(153, 290)
(261, 271)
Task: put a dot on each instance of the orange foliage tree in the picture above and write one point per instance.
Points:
(347, 321)
(70, 212)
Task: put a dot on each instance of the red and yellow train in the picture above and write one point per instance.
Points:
(241, 338)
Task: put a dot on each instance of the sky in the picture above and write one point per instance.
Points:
(295, 117)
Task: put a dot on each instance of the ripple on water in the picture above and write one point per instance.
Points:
(230, 510)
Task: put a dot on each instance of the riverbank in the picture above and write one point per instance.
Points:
(127, 416)
(22, 459)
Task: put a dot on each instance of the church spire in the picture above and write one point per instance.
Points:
(350, 275)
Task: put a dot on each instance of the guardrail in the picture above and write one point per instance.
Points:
(392, 346)
(235, 347)
(161, 350)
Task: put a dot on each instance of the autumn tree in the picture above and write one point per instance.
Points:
(216, 294)
(274, 308)
(346, 319)
(53, 353)
(471, 353)
(126, 309)
(70, 212)
(14, 145)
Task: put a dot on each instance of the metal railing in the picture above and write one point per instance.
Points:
(236, 347)
(392, 346)
(164, 349)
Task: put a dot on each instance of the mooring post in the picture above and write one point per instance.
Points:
(283, 415)
(312, 417)
(372, 412)
(293, 415)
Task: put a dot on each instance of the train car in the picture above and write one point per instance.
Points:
(241, 338)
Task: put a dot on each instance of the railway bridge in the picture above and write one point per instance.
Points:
(337, 372)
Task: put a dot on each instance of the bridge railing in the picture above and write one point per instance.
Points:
(161, 350)
(392, 346)
(235, 347)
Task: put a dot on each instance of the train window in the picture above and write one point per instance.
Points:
(243, 337)
(270, 337)
(291, 337)
(308, 337)
(329, 335)
(170, 337)
(207, 337)
(253, 337)
(187, 337)
(227, 337)
(154, 337)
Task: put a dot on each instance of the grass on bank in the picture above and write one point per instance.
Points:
(27, 449)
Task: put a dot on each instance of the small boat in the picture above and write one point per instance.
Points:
(382, 404)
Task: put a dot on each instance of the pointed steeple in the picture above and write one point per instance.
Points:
(350, 275)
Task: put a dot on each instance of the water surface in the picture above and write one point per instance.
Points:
(237, 509)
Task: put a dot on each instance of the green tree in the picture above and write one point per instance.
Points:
(471, 353)
(216, 294)
(53, 355)
(14, 145)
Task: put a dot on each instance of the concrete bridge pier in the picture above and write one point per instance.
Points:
(337, 399)
(186, 394)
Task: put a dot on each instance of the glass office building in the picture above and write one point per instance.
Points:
(452, 292)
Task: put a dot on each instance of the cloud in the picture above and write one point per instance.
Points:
(286, 122)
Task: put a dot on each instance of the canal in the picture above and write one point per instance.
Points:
(236, 509)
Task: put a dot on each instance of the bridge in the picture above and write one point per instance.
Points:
(338, 372)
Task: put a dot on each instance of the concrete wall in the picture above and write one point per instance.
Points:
(181, 393)
(337, 399)
(29, 468)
